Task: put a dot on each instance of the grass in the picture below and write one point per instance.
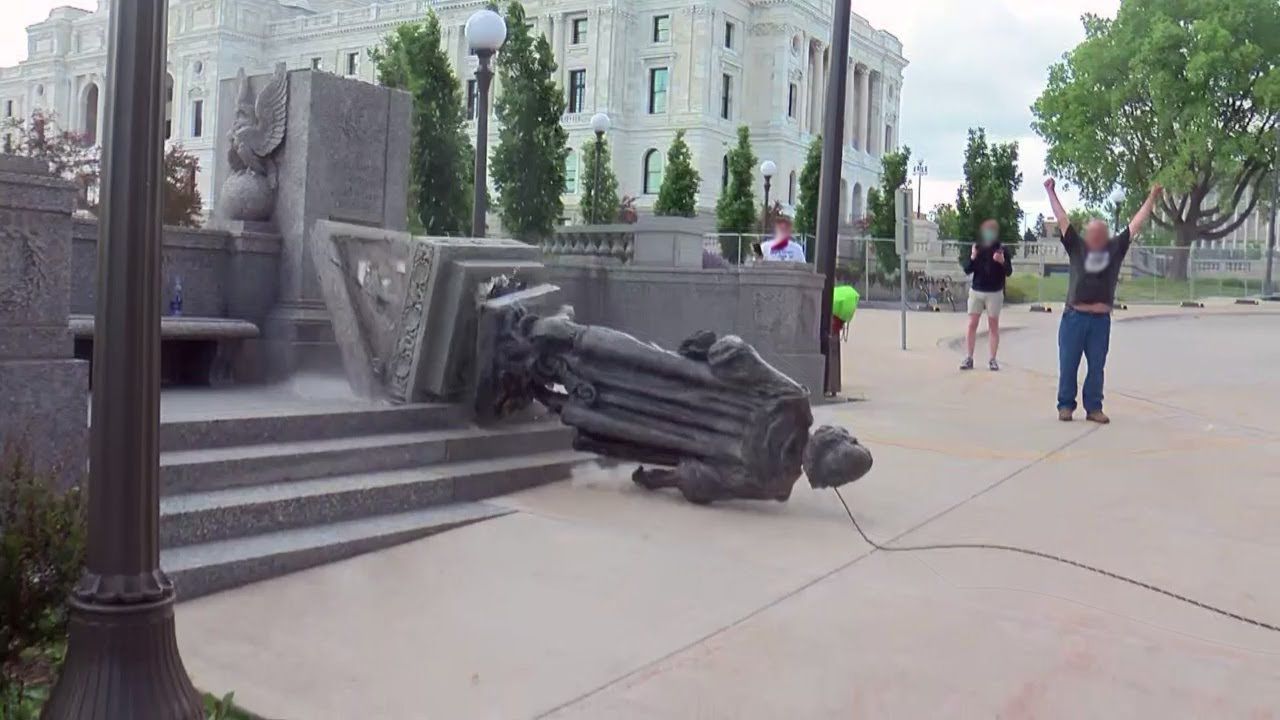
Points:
(1146, 290)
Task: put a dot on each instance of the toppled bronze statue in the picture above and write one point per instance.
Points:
(716, 419)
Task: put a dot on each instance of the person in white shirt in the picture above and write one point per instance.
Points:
(783, 247)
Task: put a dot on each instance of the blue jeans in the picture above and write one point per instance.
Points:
(1087, 335)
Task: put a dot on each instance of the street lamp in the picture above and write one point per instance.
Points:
(1117, 199)
(122, 656)
(922, 171)
(600, 125)
(486, 31)
(768, 169)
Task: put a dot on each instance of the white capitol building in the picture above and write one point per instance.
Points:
(655, 66)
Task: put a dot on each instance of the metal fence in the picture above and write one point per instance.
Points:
(935, 278)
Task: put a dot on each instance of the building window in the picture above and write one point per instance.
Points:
(726, 98)
(662, 28)
(8, 108)
(197, 119)
(652, 172)
(793, 97)
(316, 63)
(658, 78)
(578, 31)
(353, 63)
(729, 30)
(577, 90)
(571, 174)
(39, 90)
(791, 189)
(471, 99)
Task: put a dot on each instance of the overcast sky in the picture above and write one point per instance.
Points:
(973, 63)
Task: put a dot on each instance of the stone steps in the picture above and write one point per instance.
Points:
(198, 570)
(185, 471)
(248, 498)
(235, 512)
(301, 426)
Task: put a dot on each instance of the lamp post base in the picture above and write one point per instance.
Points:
(123, 664)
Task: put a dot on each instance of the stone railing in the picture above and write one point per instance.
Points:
(600, 242)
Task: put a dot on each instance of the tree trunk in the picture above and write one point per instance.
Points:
(1180, 254)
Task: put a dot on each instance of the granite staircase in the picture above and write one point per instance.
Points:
(244, 499)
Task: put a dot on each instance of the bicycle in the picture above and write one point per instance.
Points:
(932, 294)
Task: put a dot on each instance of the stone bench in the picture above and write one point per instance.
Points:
(193, 350)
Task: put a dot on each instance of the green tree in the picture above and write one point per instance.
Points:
(1186, 94)
(882, 207)
(528, 165)
(442, 160)
(810, 181)
(1081, 216)
(182, 203)
(991, 179)
(736, 211)
(1039, 226)
(1030, 236)
(944, 215)
(678, 195)
(605, 210)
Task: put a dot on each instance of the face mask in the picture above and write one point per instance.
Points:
(989, 236)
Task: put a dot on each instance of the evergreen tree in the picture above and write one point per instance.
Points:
(736, 211)
(528, 165)
(991, 179)
(810, 181)
(882, 206)
(605, 210)
(678, 195)
(442, 160)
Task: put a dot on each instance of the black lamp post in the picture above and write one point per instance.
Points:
(922, 171)
(832, 161)
(486, 31)
(122, 656)
(768, 169)
(600, 125)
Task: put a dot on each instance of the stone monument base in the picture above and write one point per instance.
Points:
(46, 409)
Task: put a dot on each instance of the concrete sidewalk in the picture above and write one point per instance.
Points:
(597, 600)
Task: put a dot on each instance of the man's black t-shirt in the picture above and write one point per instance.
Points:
(1094, 273)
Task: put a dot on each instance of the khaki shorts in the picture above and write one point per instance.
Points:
(989, 302)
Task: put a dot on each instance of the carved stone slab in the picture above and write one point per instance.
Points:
(404, 308)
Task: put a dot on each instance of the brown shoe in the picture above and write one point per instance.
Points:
(1098, 416)
(1065, 414)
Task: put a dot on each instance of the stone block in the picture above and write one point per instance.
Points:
(404, 308)
(46, 408)
(35, 255)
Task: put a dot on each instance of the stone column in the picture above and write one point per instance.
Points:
(43, 390)
(864, 110)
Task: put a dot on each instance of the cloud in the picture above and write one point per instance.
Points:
(979, 63)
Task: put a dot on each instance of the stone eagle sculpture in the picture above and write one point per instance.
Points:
(257, 133)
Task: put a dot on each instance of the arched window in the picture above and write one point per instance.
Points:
(858, 210)
(791, 189)
(652, 172)
(844, 200)
(91, 114)
(571, 173)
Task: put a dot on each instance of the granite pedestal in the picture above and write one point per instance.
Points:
(43, 390)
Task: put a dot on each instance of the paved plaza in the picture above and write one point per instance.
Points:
(595, 599)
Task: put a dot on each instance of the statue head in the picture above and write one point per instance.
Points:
(834, 458)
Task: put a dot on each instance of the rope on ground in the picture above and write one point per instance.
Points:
(1055, 558)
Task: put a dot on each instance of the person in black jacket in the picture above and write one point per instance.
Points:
(990, 266)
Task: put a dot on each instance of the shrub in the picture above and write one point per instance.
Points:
(41, 555)
(1016, 294)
